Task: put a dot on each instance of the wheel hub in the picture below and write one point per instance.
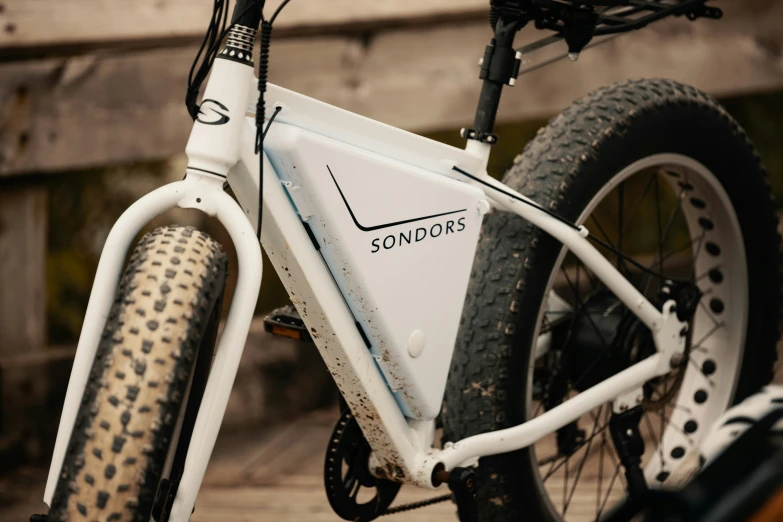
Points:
(605, 339)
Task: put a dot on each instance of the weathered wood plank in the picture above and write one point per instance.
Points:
(36, 359)
(35, 27)
(92, 110)
(23, 224)
(22, 269)
(44, 24)
(107, 108)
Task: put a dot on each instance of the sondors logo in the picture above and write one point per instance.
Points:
(418, 234)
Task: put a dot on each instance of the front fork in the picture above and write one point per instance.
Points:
(202, 192)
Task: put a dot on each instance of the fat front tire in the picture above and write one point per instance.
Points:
(136, 389)
(564, 169)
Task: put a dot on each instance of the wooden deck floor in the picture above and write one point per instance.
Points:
(279, 476)
(275, 474)
(269, 475)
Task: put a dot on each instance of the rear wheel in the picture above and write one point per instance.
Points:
(661, 173)
(164, 314)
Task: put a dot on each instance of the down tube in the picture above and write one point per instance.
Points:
(323, 309)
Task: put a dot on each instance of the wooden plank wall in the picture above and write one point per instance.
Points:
(105, 83)
(89, 83)
(82, 24)
(22, 313)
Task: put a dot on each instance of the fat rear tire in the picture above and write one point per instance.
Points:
(562, 169)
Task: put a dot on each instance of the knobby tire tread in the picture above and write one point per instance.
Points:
(135, 390)
(562, 169)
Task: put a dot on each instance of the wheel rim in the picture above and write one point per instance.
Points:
(699, 208)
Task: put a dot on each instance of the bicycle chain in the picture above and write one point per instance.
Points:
(416, 505)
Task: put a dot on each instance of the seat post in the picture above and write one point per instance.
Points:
(499, 67)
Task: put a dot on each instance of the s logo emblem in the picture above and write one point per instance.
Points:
(211, 113)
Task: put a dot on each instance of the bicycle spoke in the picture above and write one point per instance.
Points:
(715, 328)
(707, 272)
(658, 221)
(609, 490)
(662, 237)
(698, 367)
(680, 407)
(581, 466)
(600, 474)
(551, 470)
(580, 446)
(673, 215)
(650, 428)
(620, 261)
(698, 247)
(565, 483)
(662, 427)
(637, 204)
(595, 329)
(611, 453)
(709, 313)
(620, 199)
(678, 250)
(667, 421)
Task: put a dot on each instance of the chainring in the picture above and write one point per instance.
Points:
(347, 473)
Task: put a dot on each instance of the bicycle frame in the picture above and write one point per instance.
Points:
(402, 447)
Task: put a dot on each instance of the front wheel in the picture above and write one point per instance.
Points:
(164, 312)
(661, 173)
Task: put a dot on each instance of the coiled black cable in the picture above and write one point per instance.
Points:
(263, 72)
(205, 57)
(210, 48)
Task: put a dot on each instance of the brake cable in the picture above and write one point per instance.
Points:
(210, 47)
(263, 71)
(208, 51)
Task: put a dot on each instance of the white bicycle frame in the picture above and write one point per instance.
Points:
(402, 447)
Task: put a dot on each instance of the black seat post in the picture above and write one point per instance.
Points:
(499, 67)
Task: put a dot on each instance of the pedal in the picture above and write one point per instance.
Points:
(286, 322)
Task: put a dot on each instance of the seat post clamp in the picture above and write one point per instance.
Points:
(500, 65)
(483, 137)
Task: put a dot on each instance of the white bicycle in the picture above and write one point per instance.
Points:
(591, 315)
